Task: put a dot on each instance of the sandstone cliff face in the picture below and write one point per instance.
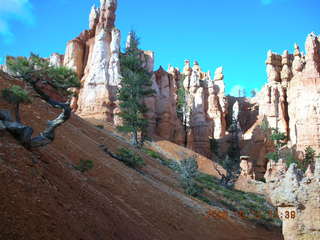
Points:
(74, 56)
(206, 106)
(297, 197)
(101, 72)
(56, 60)
(303, 97)
(94, 56)
(165, 108)
(290, 100)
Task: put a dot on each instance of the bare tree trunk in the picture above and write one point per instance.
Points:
(17, 113)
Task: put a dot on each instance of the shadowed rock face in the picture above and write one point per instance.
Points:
(297, 197)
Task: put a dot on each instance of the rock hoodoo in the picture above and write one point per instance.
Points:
(290, 100)
(95, 56)
(205, 112)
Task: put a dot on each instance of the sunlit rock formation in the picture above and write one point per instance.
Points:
(56, 60)
(290, 99)
(297, 197)
(101, 74)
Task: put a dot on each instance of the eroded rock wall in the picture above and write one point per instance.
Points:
(204, 114)
(101, 64)
(290, 99)
(297, 197)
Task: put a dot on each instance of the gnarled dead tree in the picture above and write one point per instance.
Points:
(36, 71)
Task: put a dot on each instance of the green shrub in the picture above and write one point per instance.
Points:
(16, 95)
(302, 165)
(272, 156)
(173, 165)
(309, 155)
(191, 187)
(84, 166)
(277, 136)
(189, 171)
(189, 168)
(289, 159)
(130, 158)
(100, 126)
(152, 153)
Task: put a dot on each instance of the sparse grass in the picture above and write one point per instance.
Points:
(152, 153)
(173, 165)
(130, 158)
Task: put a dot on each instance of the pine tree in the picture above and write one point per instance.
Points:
(183, 110)
(232, 160)
(231, 163)
(135, 85)
(37, 73)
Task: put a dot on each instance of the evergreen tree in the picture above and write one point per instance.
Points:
(232, 160)
(188, 173)
(135, 85)
(16, 95)
(231, 163)
(183, 110)
(35, 70)
(309, 156)
(37, 73)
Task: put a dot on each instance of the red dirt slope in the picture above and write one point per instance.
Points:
(43, 197)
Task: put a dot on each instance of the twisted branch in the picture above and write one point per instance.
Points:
(23, 133)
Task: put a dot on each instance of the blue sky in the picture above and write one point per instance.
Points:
(235, 34)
